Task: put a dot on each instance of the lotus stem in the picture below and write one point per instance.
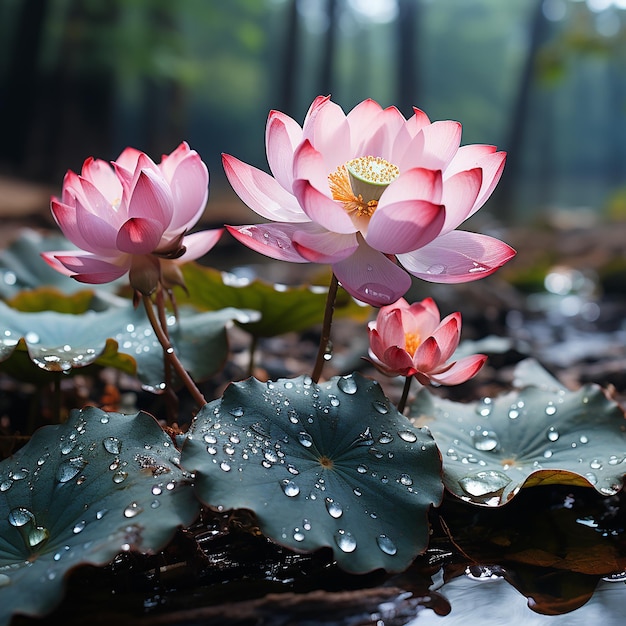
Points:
(170, 354)
(326, 325)
(405, 393)
(171, 399)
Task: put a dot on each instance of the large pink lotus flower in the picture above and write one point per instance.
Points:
(133, 216)
(367, 190)
(412, 340)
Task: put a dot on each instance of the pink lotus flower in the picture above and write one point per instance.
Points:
(367, 190)
(412, 340)
(133, 217)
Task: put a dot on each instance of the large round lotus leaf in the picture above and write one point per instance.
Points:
(83, 492)
(332, 464)
(539, 434)
(283, 309)
(61, 342)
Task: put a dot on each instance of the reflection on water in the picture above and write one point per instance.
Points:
(494, 602)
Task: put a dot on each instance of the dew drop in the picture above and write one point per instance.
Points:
(595, 464)
(31, 337)
(19, 474)
(553, 434)
(79, 527)
(112, 445)
(70, 468)
(298, 535)
(120, 477)
(407, 435)
(361, 469)
(20, 516)
(385, 437)
(484, 482)
(405, 480)
(345, 541)
(550, 409)
(381, 407)
(334, 508)
(37, 536)
(224, 466)
(270, 456)
(583, 439)
(486, 441)
(236, 411)
(305, 439)
(386, 545)
(485, 407)
(132, 509)
(289, 488)
(347, 384)
(381, 293)
(436, 268)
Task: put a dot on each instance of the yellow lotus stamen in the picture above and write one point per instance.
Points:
(359, 184)
(341, 190)
(412, 342)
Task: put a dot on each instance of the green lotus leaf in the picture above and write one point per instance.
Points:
(333, 464)
(62, 342)
(80, 493)
(21, 265)
(283, 309)
(538, 433)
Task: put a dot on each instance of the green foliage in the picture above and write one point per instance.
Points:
(283, 309)
(329, 465)
(83, 492)
(538, 433)
(120, 336)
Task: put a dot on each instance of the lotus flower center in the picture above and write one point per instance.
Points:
(359, 184)
(412, 342)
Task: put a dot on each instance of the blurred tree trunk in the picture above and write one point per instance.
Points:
(539, 32)
(287, 84)
(615, 121)
(163, 99)
(20, 85)
(407, 77)
(328, 49)
(73, 119)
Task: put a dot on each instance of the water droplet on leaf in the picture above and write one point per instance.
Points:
(386, 545)
(347, 384)
(289, 488)
(334, 508)
(484, 482)
(345, 541)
